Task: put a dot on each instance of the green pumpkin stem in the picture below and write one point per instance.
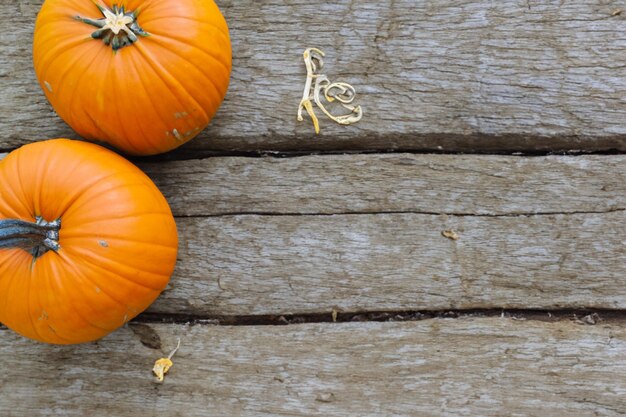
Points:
(118, 28)
(36, 238)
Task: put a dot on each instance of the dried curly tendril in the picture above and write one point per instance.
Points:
(318, 86)
(163, 365)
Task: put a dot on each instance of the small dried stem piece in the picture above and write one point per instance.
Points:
(450, 234)
(341, 92)
(311, 55)
(163, 365)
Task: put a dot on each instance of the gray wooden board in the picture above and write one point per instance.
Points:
(452, 75)
(250, 264)
(440, 367)
(438, 184)
(364, 233)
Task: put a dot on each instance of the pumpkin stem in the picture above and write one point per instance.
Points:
(36, 238)
(118, 28)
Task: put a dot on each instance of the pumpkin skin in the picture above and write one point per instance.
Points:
(118, 242)
(147, 97)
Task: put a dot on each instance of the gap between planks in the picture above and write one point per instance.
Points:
(590, 317)
(184, 154)
(425, 213)
(584, 317)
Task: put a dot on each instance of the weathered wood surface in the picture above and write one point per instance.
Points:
(435, 184)
(453, 75)
(364, 233)
(237, 265)
(440, 367)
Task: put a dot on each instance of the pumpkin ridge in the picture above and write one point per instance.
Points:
(56, 49)
(113, 238)
(24, 207)
(56, 52)
(29, 309)
(84, 277)
(96, 125)
(215, 97)
(79, 194)
(97, 257)
(65, 204)
(14, 264)
(161, 71)
(80, 272)
(60, 83)
(104, 289)
(193, 19)
(48, 278)
(40, 177)
(118, 79)
(53, 41)
(53, 269)
(80, 77)
(109, 218)
(160, 38)
(22, 197)
(152, 140)
(154, 293)
(57, 287)
(77, 206)
(218, 92)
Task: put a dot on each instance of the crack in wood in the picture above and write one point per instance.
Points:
(584, 317)
(184, 154)
(423, 213)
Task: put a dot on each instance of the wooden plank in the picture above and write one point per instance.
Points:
(440, 184)
(441, 367)
(364, 233)
(250, 264)
(450, 75)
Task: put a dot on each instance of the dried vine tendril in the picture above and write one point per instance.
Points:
(318, 86)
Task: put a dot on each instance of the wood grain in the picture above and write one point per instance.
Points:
(450, 75)
(441, 367)
(250, 264)
(439, 184)
(364, 233)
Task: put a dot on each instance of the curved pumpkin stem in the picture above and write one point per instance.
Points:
(36, 238)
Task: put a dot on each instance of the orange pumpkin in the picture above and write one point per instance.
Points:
(87, 241)
(145, 76)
